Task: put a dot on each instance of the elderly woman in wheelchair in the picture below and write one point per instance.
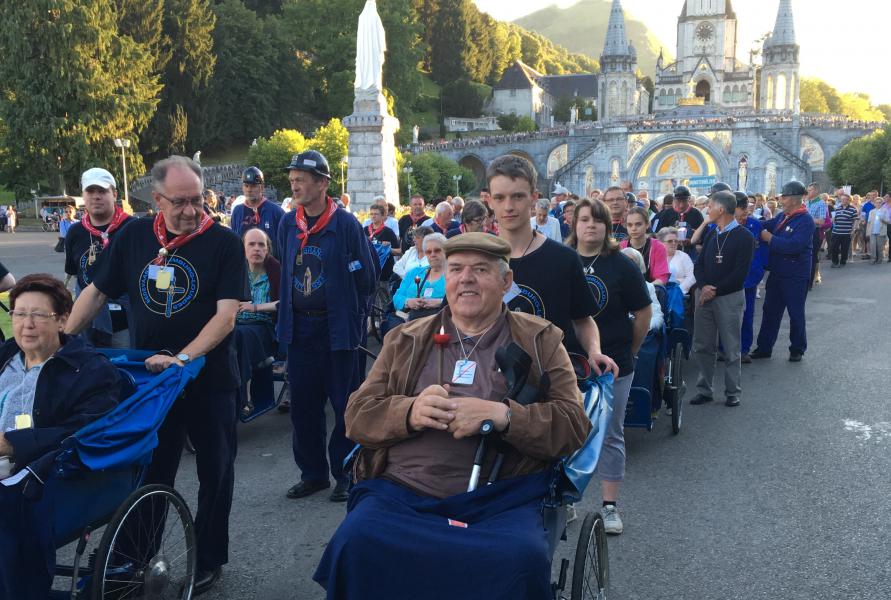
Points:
(455, 457)
(51, 385)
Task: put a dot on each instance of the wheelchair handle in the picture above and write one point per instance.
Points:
(486, 427)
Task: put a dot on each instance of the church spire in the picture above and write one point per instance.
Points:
(784, 30)
(616, 40)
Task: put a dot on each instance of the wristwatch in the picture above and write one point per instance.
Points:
(183, 358)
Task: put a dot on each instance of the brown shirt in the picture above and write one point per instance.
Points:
(433, 462)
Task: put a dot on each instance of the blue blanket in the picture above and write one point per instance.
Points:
(394, 544)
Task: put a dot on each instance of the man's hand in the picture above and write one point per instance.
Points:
(707, 294)
(470, 414)
(5, 446)
(601, 363)
(158, 362)
(766, 235)
(432, 409)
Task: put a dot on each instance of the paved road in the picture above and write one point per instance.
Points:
(786, 497)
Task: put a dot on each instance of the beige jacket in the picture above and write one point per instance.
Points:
(377, 413)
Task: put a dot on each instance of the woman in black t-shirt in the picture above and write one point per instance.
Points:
(623, 318)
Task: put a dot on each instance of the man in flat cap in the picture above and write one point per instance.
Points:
(790, 237)
(418, 417)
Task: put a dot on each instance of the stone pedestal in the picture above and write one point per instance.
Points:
(372, 154)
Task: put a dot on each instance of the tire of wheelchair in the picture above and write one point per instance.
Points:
(590, 571)
(144, 577)
(676, 378)
(378, 313)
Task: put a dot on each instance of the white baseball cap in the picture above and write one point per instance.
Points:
(97, 176)
(559, 190)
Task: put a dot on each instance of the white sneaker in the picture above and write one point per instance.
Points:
(612, 522)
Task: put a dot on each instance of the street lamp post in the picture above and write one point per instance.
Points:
(343, 163)
(123, 144)
(408, 170)
(456, 179)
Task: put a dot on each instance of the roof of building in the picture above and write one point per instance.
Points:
(616, 43)
(518, 76)
(784, 29)
(583, 86)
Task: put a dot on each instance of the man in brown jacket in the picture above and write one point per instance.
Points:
(419, 435)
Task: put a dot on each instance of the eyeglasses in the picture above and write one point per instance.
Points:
(670, 242)
(37, 317)
(196, 202)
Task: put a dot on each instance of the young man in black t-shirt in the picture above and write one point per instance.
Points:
(548, 277)
(185, 276)
(85, 241)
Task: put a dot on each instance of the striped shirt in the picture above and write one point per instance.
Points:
(843, 220)
(817, 209)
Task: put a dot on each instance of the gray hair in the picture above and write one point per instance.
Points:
(458, 200)
(442, 206)
(435, 238)
(665, 232)
(636, 258)
(725, 200)
(543, 204)
(162, 168)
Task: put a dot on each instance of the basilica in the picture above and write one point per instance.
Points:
(712, 116)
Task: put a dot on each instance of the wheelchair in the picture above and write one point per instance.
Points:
(659, 372)
(97, 479)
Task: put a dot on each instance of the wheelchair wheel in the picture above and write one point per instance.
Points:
(382, 300)
(676, 384)
(148, 548)
(590, 573)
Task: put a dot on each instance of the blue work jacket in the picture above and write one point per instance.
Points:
(791, 247)
(759, 258)
(350, 272)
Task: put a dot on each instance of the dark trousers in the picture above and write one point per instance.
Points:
(27, 552)
(316, 374)
(208, 417)
(839, 248)
(783, 294)
(747, 333)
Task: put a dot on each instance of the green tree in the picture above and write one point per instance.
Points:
(464, 98)
(858, 106)
(273, 154)
(562, 108)
(812, 98)
(333, 141)
(433, 176)
(189, 26)
(451, 56)
(531, 53)
(508, 123)
(526, 125)
(864, 163)
(70, 86)
(404, 54)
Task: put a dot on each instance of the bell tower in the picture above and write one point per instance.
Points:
(618, 94)
(780, 83)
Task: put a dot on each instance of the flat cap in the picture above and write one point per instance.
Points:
(794, 188)
(485, 243)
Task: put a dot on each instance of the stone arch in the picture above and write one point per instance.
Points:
(735, 94)
(474, 164)
(557, 158)
(703, 90)
(727, 94)
(704, 150)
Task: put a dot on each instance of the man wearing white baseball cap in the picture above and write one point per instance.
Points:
(84, 243)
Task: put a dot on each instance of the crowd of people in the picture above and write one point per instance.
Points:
(565, 279)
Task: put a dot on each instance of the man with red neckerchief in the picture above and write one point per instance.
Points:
(84, 243)
(408, 223)
(256, 212)
(185, 275)
(328, 278)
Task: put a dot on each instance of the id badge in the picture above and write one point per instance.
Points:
(23, 421)
(428, 293)
(682, 231)
(464, 372)
(164, 278)
(153, 272)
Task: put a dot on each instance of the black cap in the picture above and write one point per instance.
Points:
(794, 188)
(630, 197)
(682, 192)
(311, 161)
(719, 186)
(742, 199)
(252, 175)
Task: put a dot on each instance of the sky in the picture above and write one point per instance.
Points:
(848, 48)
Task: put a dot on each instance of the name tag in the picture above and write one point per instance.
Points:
(428, 293)
(113, 306)
(354, 266)
(23, 421)
(464, 372)
(164, 277)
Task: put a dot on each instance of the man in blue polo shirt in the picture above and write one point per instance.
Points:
(256, 211)
(328, 277)
(790, 237)
(818, 210)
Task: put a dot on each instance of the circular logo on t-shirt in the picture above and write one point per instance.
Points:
(83, 263)
(309, 271)
(601, 294)
(173, 295)
(528, 301)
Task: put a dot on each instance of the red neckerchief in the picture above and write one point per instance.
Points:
(415, 221)
(682, 216)
(119, 217)
(303, 226)
(801, 210)
(256, 216)
(180, 240)
(374, 232)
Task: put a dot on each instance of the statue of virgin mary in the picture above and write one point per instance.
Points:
(371, 44)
